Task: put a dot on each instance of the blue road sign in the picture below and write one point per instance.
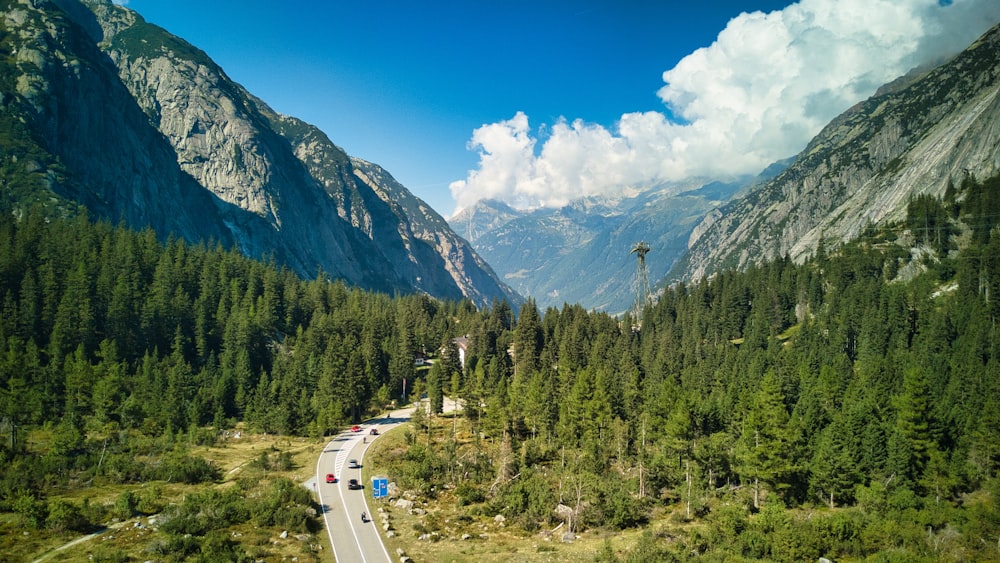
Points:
(380, 487)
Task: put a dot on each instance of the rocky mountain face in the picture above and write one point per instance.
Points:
(138, 125)
(73, 135)
(581, 253)
(915, 136)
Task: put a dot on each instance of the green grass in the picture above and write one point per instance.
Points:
(489, 540)
(135, 539)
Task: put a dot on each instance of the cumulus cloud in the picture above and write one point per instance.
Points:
(759, 93)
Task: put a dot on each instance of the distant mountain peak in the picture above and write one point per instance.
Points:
(579, 253)
(915, 136)
(143, 127)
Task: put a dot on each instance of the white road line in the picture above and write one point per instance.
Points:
(344, 448)
(350, 521)
(367, 508)
(323, 505)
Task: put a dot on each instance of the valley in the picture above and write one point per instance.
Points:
(202, 297)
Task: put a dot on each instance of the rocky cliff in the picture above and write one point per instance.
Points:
(72, 133)
(913, 137)
(137, 124)
(580, 253)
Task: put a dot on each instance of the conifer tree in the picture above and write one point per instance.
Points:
(833, 467)
(527, 339)
(912, 443)
(764, 447)
(435, 387)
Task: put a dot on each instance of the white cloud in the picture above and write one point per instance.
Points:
(759, 93)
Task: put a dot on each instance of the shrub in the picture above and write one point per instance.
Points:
(122, 468)
(620, 509)
(469, 494)
(126, 505)
(30, 510)
(66, 516)
(218, 546)
(183, 469)
(108, 554)
(529, 499)
(649, 549)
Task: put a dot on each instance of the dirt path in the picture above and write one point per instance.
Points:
(79, 540)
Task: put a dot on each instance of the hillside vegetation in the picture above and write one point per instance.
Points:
(848, 407)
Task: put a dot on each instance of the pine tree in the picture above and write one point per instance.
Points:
(764, 448)
(435, 388)
(833, 468)
(913, 441)
(527, 339)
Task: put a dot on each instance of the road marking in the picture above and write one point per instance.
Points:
(345, 442)
(350, 521)
(365, 499)
(326, 509)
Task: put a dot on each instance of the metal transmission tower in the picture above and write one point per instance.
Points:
(642, 291)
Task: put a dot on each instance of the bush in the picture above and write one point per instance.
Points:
(220, 547)
(281, 461)
(107, 554)
(284, 504)
(468, 493)
(122, 468)
(529, 499)
(754, 544)
(30, 510)
(150, 499)
(727, 523)
(126, 505)
(203, 512)
(203, 436)
(620, 509)
(18, 476)
(177, 547)
(183, 469)
(66, 516)
(649, 549)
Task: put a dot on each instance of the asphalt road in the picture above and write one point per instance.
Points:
(352, 539)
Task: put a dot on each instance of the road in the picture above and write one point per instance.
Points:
(352, 539)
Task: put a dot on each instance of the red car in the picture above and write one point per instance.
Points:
(331, 478)
(355, 429)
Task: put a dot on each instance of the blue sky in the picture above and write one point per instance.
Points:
(538, 102)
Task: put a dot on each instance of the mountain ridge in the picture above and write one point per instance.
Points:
(580, 253)
(915, 136)
(141, 126)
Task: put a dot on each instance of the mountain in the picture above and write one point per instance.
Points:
(580, 253)
(917, 135)
(105, 111)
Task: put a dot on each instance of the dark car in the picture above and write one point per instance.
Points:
(331, 478)
(353, 484)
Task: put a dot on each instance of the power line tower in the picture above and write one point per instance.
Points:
(642, 291)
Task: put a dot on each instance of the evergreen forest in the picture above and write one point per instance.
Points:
(847, 407)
